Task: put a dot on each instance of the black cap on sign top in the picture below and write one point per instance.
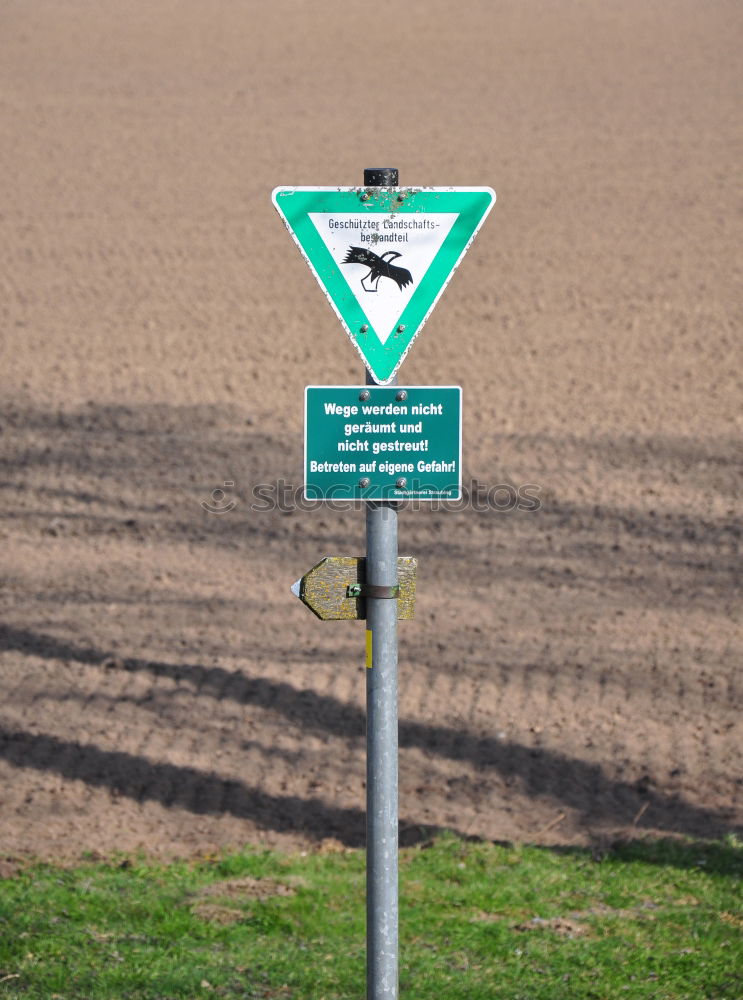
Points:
(380, 177)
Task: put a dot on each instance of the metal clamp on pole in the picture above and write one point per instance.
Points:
(369, 590)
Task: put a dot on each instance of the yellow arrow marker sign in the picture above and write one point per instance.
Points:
(329, 589)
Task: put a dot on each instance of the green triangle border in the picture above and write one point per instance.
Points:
(294, 205)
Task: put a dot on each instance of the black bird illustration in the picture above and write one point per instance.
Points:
(379, 267)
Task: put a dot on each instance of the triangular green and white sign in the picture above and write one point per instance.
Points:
(383, 256)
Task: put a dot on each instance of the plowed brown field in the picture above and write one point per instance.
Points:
(570, 672)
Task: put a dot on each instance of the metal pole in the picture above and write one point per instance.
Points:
(381, 733)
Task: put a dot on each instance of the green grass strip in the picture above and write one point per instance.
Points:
(647, 919)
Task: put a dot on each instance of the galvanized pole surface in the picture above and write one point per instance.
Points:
(381, 733)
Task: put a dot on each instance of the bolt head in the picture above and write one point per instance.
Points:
(400, 328)
(401, 483)
(364, 327)
(364, 482)
(401, 396)
(364, 395)
(364, 196)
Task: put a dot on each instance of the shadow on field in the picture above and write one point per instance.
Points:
(719, 858)
(540, 773)
(198, 791)
(140, 474)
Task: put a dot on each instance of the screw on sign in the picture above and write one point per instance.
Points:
(382, 256)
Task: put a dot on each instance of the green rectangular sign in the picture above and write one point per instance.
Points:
(383, 442)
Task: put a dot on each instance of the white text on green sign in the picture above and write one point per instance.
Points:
(380, 442)
(383, 256)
